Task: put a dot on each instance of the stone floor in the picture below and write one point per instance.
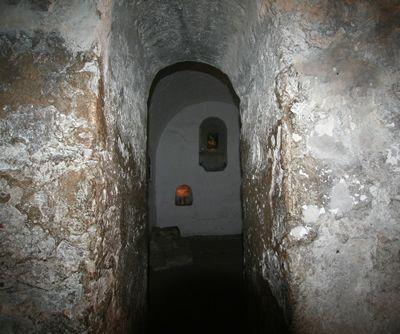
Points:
(168, 249)
(202, 296)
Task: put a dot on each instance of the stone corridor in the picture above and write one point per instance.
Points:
(308, 91)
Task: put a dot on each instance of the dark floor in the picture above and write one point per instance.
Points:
(203, 297)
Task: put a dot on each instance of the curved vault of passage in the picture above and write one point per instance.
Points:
(238, 37)
(218, 33)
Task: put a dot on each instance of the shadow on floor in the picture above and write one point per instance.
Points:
(205, 296)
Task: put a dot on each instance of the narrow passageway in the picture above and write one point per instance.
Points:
(196, 249)
(120, 125)
(196, 274)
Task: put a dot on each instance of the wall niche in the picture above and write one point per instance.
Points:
(212, 144)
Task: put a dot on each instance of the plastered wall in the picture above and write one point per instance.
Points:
(216, 207)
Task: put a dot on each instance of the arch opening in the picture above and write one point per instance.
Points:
(195, 248)
(182, 96)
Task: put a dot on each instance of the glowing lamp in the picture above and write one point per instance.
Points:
(183, 195)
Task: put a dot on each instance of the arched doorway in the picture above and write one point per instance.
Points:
(181, 98)
(196, 247)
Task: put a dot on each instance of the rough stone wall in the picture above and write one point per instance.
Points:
(321, 203)
(338, 90)
(320, 164)
(318, 82)
(128, 92)
(216, 207)
(72, 215)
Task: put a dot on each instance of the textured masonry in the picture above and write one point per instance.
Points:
(319, 89)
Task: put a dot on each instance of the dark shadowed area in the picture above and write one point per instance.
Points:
(208, 295)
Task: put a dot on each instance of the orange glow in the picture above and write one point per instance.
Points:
(183, 191)
(183, 195)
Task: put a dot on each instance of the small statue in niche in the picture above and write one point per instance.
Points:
(212, 141)
(213, 145)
